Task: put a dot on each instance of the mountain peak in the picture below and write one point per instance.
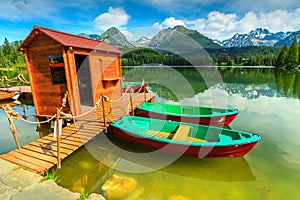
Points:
(114, 37)
(257, 37)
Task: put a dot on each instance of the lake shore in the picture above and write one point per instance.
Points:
(20, 184)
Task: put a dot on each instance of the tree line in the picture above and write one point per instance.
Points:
(286, 57)
(289, 57)
(10, 57)
(242, 56)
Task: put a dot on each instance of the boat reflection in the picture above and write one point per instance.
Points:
(215, 169)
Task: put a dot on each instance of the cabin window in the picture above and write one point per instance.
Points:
(57, 68)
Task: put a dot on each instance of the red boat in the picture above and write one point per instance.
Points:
(188, 114)
(183, 138)
(4, 95)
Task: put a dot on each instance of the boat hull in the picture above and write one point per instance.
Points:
(212, 151)
(210, 120)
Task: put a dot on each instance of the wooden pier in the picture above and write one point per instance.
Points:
(41, 155)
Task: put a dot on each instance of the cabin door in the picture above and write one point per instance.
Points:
(84, 81)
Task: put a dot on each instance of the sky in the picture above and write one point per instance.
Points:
(216, 19)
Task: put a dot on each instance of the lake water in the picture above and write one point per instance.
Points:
(27, 132)
(269, 101)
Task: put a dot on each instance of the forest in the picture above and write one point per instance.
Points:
(284, 57)
(10, 57)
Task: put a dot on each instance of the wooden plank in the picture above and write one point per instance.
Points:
(50, 148)
(32, 160)
(182, 132)
(53, 143)
(159, 134)
(33, 167)
(49, 158)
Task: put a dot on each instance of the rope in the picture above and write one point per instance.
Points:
(18, 78)
(69, 116)
(22, 78)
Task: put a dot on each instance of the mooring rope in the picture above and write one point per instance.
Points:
(68, 116)
(18, 78)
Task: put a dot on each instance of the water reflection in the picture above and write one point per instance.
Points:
(249, 82)
(27, 131)
(269, 104)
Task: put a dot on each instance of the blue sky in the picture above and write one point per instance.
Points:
(216, 19)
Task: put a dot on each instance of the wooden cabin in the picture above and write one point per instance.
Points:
(58, 62)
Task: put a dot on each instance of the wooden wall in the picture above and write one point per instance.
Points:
(105, 71)
(47, 97)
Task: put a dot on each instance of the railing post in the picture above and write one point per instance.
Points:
(9, 112)
(103, 110)
(131, 104)
(58, 138)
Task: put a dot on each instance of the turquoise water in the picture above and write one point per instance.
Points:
(269, 101)
(27, 132)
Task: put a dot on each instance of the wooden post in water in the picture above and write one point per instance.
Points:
(9, 112)
(58, 138)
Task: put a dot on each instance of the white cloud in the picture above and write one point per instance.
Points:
(221, 26)
(170, 22)
(115, 17)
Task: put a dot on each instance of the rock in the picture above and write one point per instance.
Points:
(118, 186)
(6, 192)
(177, 197)
(95, 197)
(5, 167)
(19, 178)
(46, 190)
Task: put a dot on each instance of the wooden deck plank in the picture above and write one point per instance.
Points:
(49, 158)
(30, 159)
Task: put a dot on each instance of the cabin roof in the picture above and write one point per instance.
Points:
(69, 40)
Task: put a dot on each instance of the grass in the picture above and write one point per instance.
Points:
(83, 195)
(51, 175)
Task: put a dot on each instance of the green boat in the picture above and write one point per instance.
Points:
(189, 114)
(184, 138)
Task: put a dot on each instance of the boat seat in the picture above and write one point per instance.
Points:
(158, 134)
(170, 136)
(182, 132)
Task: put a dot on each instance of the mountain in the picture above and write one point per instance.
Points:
(141, 42)
(258, 37)
(182, 40)
(114, 37)
(289, 39)
(92, 36)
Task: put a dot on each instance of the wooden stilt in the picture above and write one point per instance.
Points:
(8, 111)
(58, 138)
(103, 111)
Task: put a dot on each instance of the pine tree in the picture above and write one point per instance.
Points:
(280, 62)
(292, 57)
